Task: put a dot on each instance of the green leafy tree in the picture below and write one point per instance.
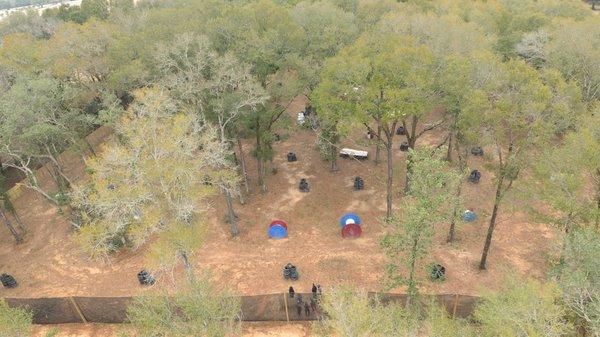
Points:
(328, 29)
(455, 43)
(353, 313)
(561, 180)
(439, 324)
(522, 308)
(410, 235)
(29, 22)
(123, 5)
(78, 53)
(458, 78)
(518, 119)
(559, 173)
(14, 322)
(531, 48)
(446, 34)
(149, 182)
(579, 278)
(22, 53)
(457, 46)
(41, 118)
(368, 13)
(214, 86)
(574, 49)
(263, 35)
(388, 79)
(335, 100)
(66, 13)
(95, 8)
(201, 308)
(586, 143)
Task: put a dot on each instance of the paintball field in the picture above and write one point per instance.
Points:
(49, 264)
(263, 329)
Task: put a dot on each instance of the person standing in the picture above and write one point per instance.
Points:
(299, 304)
(313, 304)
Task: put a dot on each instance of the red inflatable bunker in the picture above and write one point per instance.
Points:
(278, 222)
(351, 231)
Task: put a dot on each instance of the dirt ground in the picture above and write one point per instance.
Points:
(49, 264)
(263, 329)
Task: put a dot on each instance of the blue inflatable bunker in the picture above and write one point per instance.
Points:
(277, 231)
(468, 216)
(349, 218)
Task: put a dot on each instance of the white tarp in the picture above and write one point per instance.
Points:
(345, 152)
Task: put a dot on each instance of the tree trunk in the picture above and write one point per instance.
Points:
(231, 213)
(454, 213)
(598, 212)
(89, 146)
(378, 144)
(597, 225)
(390, 176)
(462, 165)
(261, 164)
(412, 289)
(261, 172)
(10, 208)
(409, 165)
(243, 164)
(411, 138)
(20, 223)
(488, 239)
(334, 163)
(449, 153)
(408, 172)
(187, 266)
(60, 184)
(10, 227)
(33, 184)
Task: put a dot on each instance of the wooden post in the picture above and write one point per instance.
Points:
(456, 298)
(83, 320)
(287, 313)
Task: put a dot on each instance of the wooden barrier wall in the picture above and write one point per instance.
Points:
(271, 307)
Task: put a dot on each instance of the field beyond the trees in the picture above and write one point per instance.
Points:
(50, 264)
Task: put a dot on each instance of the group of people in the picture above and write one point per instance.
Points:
(308, 306)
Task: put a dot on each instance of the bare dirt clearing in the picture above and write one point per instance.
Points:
(49, 264)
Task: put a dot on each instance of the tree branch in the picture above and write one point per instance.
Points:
(431, 127)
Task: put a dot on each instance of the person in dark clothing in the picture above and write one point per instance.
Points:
(291, 291)
(299, 304)
(314, 289)
(306, 309)
(313, 304)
